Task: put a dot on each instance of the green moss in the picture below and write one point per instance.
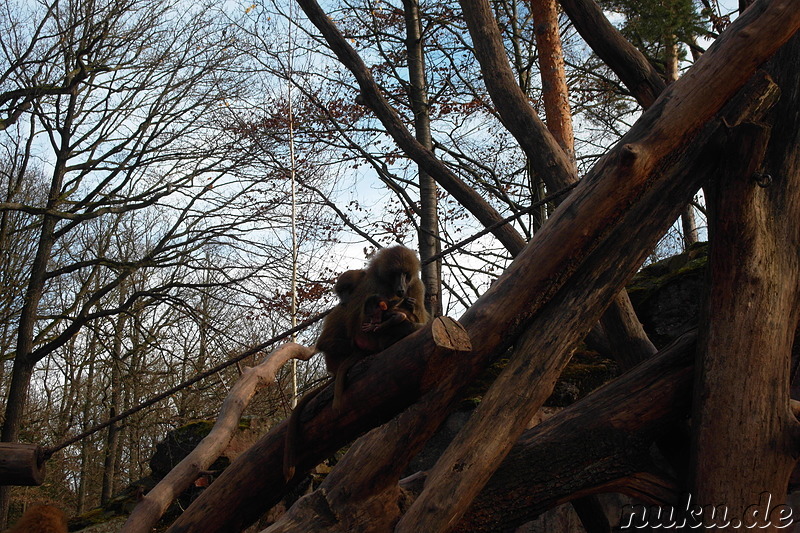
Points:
(655, 276)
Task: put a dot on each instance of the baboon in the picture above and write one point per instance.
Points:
(393, 318)
(346, 284)
(41, 519)
(391, 276)
(382, 304)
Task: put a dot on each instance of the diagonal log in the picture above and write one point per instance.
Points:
(153, 505)
(583, 255)
(601, 443)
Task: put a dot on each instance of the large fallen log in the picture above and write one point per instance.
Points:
(21, 464)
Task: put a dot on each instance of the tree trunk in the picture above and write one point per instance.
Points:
(689, 227)
(24, 362)
(610, 45)
(429, 242)
(671, 73)
(607, 225)
(88, 389)
(745, 437)
(554, 80)
(558, 117)
(112, 438)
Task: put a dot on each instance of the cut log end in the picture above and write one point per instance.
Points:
(450, 335)
(21, 464)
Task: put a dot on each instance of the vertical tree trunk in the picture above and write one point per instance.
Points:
(83, 487)
(745, 435)
(688, 225)
(555, 93)
(24, 362)
(429, 243)
(112, 438)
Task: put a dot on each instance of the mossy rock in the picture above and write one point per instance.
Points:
(667, 295)
(585, 372)
(178, 444)
(120, 505)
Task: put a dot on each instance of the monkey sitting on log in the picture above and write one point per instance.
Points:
(378, 306)
(41, 519)
(392, 275)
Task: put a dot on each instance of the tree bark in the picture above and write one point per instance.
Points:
(110, 465)
(429, 242)
(513, 105)
(745, 437)
(598, 444)
(607, 225)
(554, 79)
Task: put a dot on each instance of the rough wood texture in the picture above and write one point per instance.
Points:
(555, 93)
(524, 384)
(153, 505)
(746, 436)
(361, 494)
(599, 444)
(601, 441)
(582, 257)
(21, 464)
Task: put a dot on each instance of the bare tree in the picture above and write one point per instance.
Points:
(133, 128)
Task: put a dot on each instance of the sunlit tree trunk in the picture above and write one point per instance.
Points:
(671, 73)
(555, 94)
(112, 437)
